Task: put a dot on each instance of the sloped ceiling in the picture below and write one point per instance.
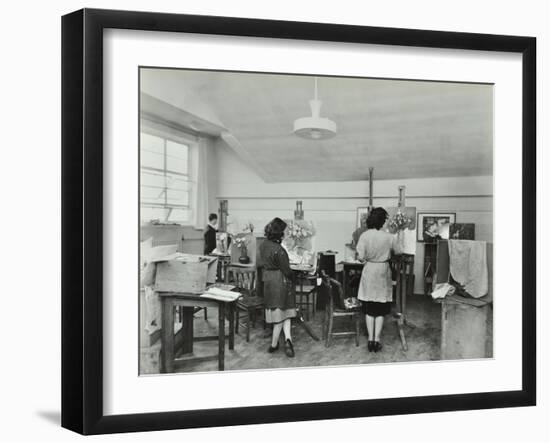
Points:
(404, 129)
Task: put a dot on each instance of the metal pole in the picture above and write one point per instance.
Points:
(371, 172)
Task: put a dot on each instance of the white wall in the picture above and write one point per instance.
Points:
(332, 206)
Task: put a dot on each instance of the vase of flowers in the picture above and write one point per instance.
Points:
(244, 258)
(241, 242)
(399, 222)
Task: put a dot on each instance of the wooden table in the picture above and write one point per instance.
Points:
(184, 339)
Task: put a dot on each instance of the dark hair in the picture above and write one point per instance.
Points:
(212, 217)
(376, 218)
(275, 230)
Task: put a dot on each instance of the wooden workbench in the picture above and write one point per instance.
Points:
(188, 302)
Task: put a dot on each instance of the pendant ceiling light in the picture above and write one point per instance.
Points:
(315, 127)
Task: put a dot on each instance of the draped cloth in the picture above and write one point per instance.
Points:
(468, 263)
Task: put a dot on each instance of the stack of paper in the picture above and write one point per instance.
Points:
(221, 295)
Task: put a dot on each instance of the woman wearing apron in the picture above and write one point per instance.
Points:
(375, 290)
(279, 286)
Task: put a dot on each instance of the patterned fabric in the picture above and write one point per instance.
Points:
(468, 263)
(375, 248)
(278, 278)
(278, 315)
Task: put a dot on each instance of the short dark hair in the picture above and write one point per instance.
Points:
(275, 230)
(212, 217)
(376, 218)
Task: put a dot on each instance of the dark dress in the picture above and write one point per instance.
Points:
(209, 240)
(278, 282)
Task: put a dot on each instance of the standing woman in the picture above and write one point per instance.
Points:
(375, 290)
(279, 286)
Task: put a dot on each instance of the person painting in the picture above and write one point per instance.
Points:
(375, 289)
(210, 234)
(279, 285)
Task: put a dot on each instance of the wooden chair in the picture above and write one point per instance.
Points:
(250, 303)
(306, 294)
(337, 307)
(306, 289)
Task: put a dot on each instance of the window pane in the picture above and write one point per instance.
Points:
(152, 143)
(175, 181)
(180, 215)
(147, 214)
(152, 159)
(176, 197)
(176, 157)
(152, 178)
(152, 195)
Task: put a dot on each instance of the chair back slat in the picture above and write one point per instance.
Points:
(335, 290)
(244, 279)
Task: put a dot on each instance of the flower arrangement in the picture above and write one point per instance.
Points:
(299, 231)
(248, 228)
(241, 241)
(399, 222)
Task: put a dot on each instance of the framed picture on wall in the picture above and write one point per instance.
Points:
(433, 226)
(462, 231)
(118, 74)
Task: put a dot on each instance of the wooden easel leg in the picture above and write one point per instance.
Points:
(400, 327)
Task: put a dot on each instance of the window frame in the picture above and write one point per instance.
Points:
(166, 133)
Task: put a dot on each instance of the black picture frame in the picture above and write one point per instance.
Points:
(82, 217)
(420, 235)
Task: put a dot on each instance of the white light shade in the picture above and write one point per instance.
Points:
(315, 127)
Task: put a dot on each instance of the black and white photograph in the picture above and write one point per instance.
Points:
(271, 221)
(297, 221)
(462, 231)
(433, 227)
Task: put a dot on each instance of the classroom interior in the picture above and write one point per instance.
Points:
(226, 143)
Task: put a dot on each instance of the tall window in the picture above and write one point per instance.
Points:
(166, 180)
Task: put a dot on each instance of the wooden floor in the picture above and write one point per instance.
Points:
(423, 340)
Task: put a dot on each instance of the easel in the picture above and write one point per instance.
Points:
(301, 274)
(224, 259)
(404, 270)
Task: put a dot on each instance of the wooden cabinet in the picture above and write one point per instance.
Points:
(466, 322)
(466, 330)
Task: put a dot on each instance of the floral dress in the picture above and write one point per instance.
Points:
(278, 280)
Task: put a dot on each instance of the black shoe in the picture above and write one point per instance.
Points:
(370, 346)
(377, 346)
(289, 349)
(273, 349)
